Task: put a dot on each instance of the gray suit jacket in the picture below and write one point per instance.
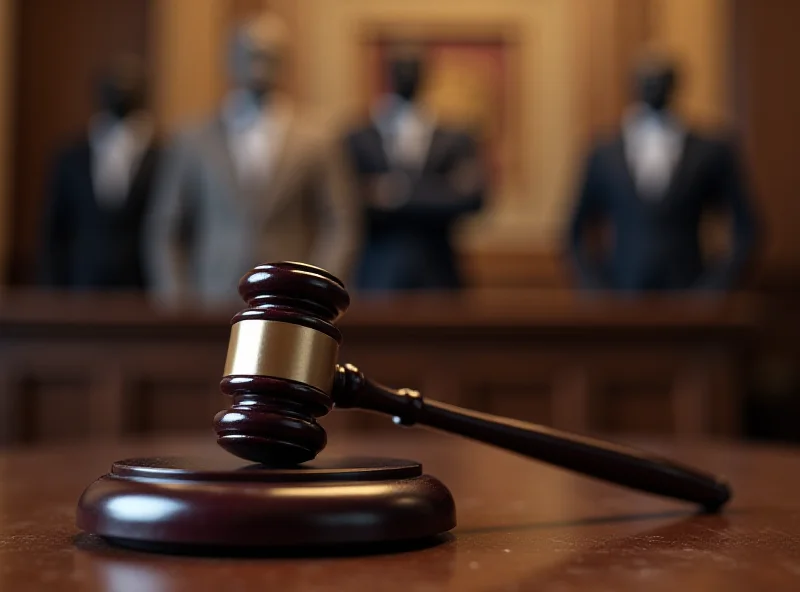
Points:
(205, 230)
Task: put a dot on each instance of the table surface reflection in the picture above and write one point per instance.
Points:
(522, 525)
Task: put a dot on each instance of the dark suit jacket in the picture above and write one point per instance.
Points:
(409, 247)
(656, 244)
(83, 244)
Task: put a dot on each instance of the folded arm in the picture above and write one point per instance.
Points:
(56, 232)
(732, 195)
(587, 212)
(434, 197)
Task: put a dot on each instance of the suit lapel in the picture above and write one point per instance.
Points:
(428, 150)
(142, 174)
(86, 171)
(437, 146)
(259, 201)
(283, 169)
(622, 167)
(220, 151)
(680, 170)
(376, 147)
(682, 167)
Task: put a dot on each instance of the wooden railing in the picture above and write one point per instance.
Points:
(79, 365)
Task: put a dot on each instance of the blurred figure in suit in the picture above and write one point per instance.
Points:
(652, 184)
(100, 189)
(257, 182)
(416, 179)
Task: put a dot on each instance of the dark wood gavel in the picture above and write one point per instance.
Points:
(282, 374)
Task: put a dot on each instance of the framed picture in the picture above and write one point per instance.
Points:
(472, 81)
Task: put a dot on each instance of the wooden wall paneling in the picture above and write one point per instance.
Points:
(616, 387)
(107, 400)
(728, 386)
(524, 401)
(642, 394)
(571, 397)
(698, 33)
(10, 403)
(290, 12)
(632, 389)
(77, 389)
(60, 46)
(634, 406)
(611, 33)
(565, 367)
(594, 60)
(7, 68)
(766, 87)
(177, 404)
(239, 10)
(46, 392)
(59, 408)
(692, 390)
(170, 387)
(613, 387)
(186, 42)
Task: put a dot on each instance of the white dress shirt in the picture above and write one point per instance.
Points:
(406, 129)
(255, 134)
(117, 148)
(653, 146)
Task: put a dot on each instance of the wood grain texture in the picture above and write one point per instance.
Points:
(521, 526)
(8, 10)
(583, 364)
(766, 89)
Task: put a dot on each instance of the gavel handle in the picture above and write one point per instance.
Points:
(603, 460)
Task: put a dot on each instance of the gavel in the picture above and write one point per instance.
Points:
(282, 373)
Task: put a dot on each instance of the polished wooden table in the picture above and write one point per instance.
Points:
(521, 526)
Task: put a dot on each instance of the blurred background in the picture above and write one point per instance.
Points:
(577, 212)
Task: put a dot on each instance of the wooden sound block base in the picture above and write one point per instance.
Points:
(179, 504)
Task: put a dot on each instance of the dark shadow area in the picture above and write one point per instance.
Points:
(98, 545)
(685, 515)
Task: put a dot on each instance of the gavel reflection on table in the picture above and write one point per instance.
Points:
(282, 374)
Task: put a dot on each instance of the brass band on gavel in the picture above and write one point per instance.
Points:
(282, 350)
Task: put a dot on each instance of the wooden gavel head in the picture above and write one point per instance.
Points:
(281, 363)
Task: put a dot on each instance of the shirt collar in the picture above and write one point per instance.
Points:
(640, 116)
(392, 108)
(241, 112)
(136, 128)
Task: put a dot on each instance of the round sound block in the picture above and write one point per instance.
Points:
(161, 503)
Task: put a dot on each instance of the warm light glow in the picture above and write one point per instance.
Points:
(144, 508)
(330, 491)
